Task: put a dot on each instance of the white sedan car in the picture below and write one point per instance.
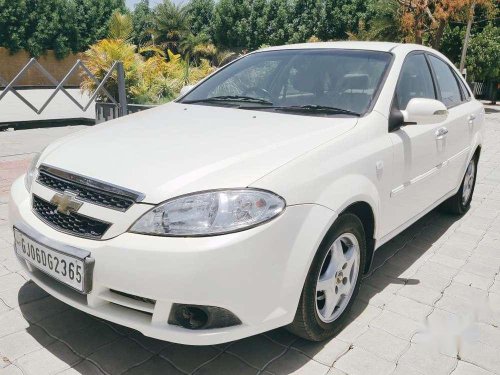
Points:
(258, 198)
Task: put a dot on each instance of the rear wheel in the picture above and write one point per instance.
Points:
(333, 281)
(460, 202)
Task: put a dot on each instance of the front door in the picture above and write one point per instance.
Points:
(419, 150)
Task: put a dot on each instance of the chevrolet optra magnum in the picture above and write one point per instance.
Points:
(255, 200)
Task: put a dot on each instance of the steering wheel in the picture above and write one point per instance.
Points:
(262, 93)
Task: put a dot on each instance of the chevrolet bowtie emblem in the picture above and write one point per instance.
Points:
(66, 202)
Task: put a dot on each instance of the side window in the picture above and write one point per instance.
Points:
(465, 90)
(415, 81)
(448, 86)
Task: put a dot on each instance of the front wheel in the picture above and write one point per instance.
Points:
(460, 202)
(333, 281)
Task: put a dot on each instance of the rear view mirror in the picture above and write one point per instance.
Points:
(422, 111)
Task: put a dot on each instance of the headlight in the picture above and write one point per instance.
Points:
(211, 212)
(32, 172)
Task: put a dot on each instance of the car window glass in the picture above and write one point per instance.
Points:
(448, 86)
(343, 79)
(415, 81)
(347, 82)
(255, 76)
(465, 90)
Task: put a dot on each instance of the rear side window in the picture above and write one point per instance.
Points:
(415, 81)
(448, 85)
(465, 90)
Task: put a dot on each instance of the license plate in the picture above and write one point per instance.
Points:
(62, 266)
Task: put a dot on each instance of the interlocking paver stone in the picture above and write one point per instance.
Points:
(464, 368)
(431, 305)
(155, 365)
(84, 367)
(361, 362)
(294, 362)
(49, 360)
(397, 325)
(119, 356)
(323, 352)
(257, 351)
(225, 364)
(382, 344)
(22, 342)
(428, 360)
(188, 358)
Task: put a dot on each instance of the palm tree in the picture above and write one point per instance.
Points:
(120, 26)
(190, 42)
(171, 24)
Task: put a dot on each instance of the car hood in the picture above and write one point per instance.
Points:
(176, 149)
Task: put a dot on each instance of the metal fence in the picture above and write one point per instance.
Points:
(109, 111)
(119, 104)
(478, 89)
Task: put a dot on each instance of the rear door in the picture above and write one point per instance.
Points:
(460, 124)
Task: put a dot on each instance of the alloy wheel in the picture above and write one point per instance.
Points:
(338, 276)
(470, 175)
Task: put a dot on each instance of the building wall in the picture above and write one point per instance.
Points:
(11, 64)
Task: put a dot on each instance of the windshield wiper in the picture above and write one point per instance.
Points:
(230, 98)
(307, 108)
(317, 108)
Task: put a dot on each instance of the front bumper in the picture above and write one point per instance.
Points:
(257, 274)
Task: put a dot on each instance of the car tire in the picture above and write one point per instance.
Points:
(341, 256)
(459, 204)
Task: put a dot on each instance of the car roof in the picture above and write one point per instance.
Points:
(373, 46)
(358, 45)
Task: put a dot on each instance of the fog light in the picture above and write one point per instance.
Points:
(201, 317)
(191, 317)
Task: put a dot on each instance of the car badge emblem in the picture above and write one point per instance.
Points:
(66, 202)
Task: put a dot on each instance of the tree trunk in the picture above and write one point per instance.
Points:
(436, 41)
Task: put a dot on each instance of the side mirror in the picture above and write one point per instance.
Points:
(186, 89)
(422, 111)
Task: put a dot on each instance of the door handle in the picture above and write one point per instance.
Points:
(470, 119)
(441, 133)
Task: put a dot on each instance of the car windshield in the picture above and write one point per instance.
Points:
(317, 81)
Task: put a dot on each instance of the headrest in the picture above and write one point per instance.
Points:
(354, 81)
(304, 82)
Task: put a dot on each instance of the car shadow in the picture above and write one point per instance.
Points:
(91, 345)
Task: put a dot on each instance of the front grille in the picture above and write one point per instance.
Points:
(74, 223)
(85, 193)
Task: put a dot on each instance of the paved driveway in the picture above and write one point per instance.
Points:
(431, 306)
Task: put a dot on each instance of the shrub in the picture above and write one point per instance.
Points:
(152, 80)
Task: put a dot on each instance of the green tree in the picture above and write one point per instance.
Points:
(278, 22)
(142, 19)
(171, 23)
(451, 42)
(231, 26)
(483, 55)
(13, 24)
(379, 22)
(50, 25)
(257, 22)
(340, 17)
(92, 20)
(201, 13)
(305, 17)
